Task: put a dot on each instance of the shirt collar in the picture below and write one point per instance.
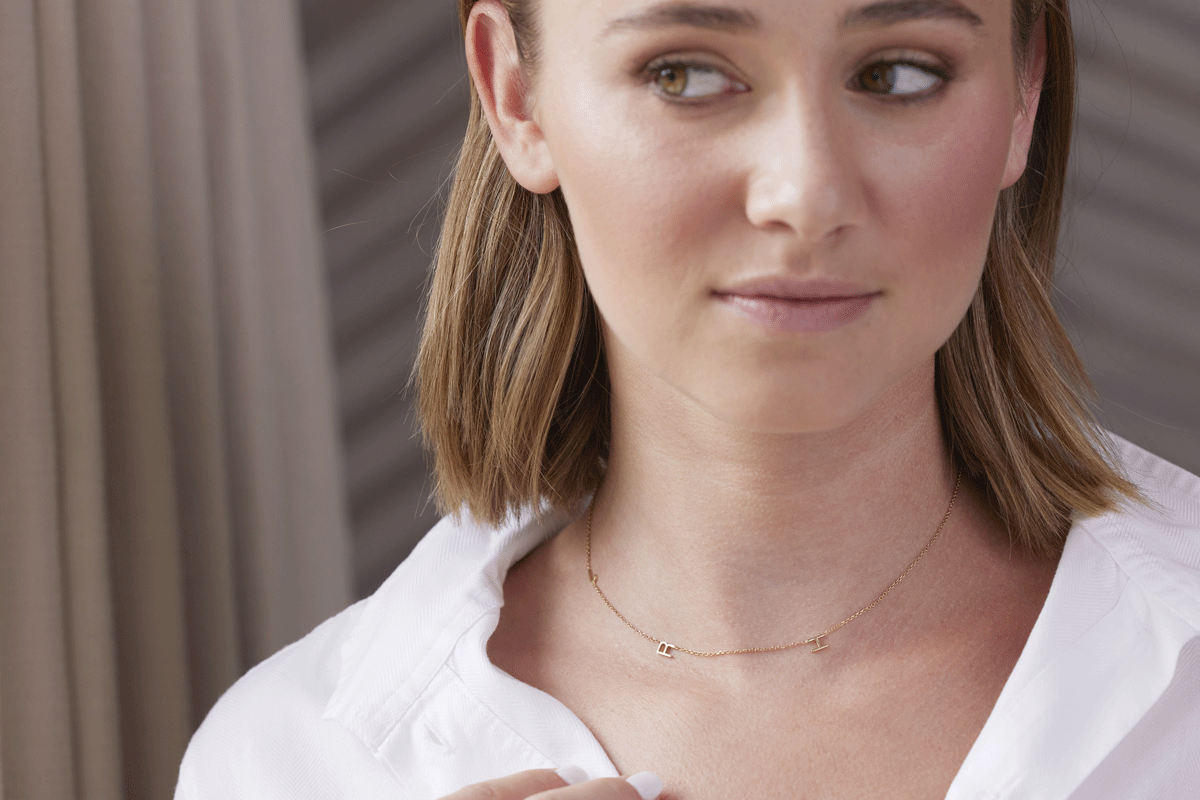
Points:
(411, 625)
(1124, 602)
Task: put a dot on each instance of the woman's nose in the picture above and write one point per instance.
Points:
(802, 176)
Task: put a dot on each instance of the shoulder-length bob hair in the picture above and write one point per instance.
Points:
(513, 389)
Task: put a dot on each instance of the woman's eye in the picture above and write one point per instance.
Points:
(898, 79)
(692, 81)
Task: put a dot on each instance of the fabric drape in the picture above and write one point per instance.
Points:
(171, 502)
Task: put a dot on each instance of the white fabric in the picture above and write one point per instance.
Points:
(395, 697)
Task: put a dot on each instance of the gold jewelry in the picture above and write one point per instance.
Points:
(665, 648)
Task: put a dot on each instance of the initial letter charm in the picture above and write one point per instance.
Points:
(817, 642)
(665, 649)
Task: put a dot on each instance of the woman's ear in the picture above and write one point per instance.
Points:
(495, 66)
(1033, 75)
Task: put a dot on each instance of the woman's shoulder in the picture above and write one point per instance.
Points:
(1156, 542)
(1170, 488)
(238, 751)
(1103, 702)
(308, 721)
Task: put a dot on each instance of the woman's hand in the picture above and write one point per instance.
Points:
(568, 783)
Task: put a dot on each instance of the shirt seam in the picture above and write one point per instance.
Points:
(1133, 577)
(495, 715)
(435, 662)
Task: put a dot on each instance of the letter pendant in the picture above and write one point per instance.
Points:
(665, 649)
(817, 642)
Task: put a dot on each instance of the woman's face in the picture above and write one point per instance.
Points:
(782, 206)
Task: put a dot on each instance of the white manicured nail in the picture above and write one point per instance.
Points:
(648, 785)
(572, 775)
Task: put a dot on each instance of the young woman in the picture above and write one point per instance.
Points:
(773, 469)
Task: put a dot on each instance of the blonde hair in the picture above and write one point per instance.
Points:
(513, 389)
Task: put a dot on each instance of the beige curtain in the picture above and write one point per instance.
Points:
(171, 508)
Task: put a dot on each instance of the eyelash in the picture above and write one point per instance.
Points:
(655, 68)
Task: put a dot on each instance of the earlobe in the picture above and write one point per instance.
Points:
(499, 80)
(1032, 78)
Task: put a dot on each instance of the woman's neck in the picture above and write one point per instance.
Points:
(724, 538)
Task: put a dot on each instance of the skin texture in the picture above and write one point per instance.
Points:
(765, 483)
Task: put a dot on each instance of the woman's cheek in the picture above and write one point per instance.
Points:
(642, 212)
(942, 196)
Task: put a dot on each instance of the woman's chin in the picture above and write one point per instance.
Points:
(814, 407)
(768, 413)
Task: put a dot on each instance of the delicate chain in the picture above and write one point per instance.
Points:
(665, 648)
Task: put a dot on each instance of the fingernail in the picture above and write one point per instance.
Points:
(572, 775)
(648, 785)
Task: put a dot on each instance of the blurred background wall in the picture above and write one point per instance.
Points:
(389, 104)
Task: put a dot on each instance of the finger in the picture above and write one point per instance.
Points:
(520, 785)
(643, 786)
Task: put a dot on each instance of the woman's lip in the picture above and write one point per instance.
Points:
(779, 288)
(800, 315)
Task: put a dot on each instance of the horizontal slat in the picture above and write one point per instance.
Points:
(388, 43)
(378, 367)
(383, 450)
(378, 217)
(397, 117)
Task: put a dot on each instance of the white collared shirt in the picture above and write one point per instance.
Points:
(395, 696)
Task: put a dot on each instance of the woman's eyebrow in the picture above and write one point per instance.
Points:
(694, 15)
(726, 18)
(892, 12)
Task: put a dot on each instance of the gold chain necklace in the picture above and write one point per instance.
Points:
(665, 648)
